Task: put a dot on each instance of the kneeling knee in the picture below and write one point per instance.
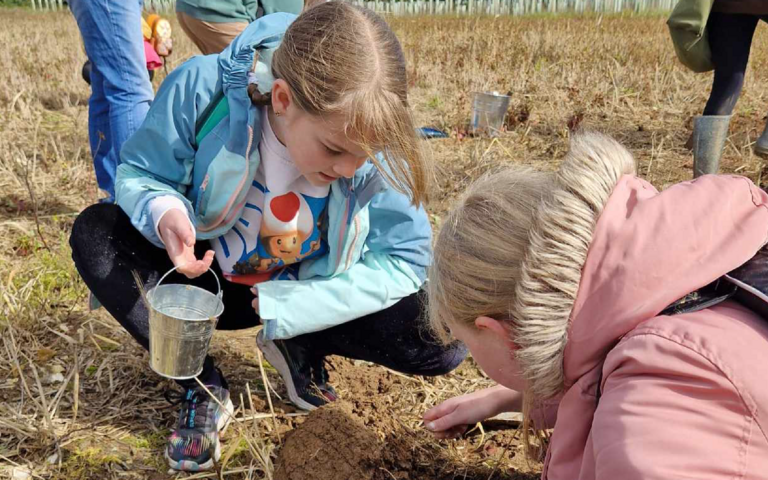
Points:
(91, 227)
(442, 362)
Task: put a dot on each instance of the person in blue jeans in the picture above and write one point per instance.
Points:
(120, 89)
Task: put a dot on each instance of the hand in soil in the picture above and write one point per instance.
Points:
(179, 238)
(451, 418)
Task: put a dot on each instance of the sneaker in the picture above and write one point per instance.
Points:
(307, 386)
(195, 446)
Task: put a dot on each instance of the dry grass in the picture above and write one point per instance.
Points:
(76, 398)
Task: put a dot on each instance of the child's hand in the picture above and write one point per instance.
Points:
(179, 241)
(451, 418)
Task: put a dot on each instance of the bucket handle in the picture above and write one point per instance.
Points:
(218, 284)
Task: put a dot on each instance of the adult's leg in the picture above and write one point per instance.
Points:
(107, 248)
(111, 31)
(100, 135)
(210, 37)
(730, 39)
(396, 338)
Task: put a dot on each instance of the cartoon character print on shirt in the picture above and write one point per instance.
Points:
(275, 230)
(287, 222)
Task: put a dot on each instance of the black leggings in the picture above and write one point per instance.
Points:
(730, 39)
(106, 248)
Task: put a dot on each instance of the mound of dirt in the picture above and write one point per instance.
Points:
(342, 442)
(375, 434)
(331, 443)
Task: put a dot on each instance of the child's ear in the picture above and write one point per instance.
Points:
(281, 96)
(495, 327)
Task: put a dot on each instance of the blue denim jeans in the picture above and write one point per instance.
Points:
(120, 89)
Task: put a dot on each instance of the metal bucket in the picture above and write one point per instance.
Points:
(488, 112)
(182, 319)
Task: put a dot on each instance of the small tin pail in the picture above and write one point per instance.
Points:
(182, 319)
(488, 112)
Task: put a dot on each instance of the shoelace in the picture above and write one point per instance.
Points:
(175, 397)
(189, 399)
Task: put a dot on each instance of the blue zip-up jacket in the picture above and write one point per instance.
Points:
(379, 245)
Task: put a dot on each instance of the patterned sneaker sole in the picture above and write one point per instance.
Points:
(190, 466)
(276, 359)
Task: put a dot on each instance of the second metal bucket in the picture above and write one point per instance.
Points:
(182, 319)
(488, 112)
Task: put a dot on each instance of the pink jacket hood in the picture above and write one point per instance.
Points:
(681, 396)
(650, 249)
(608, 251)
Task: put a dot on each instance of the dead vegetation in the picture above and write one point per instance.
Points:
(77, 400)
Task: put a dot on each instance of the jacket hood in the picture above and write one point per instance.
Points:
(608, 251)
(250, 52)
(264, 35)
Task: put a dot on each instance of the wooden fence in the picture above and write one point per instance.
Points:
(457, 7)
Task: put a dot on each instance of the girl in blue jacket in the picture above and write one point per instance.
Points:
(290, 166)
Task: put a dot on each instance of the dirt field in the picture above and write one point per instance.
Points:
(77, 400)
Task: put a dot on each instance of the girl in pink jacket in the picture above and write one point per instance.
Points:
(567, 286)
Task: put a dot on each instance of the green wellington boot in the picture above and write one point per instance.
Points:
(709, 135)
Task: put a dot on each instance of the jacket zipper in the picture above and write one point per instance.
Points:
(343, 230)
(342, 233)
(352, 245)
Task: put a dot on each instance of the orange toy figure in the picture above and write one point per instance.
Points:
(160, 34)
(158, 45)
(157, 41)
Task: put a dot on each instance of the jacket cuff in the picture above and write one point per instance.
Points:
(268, 310)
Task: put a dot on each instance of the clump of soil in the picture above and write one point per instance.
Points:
(346, 442)
(331, 444)
(375, 431)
